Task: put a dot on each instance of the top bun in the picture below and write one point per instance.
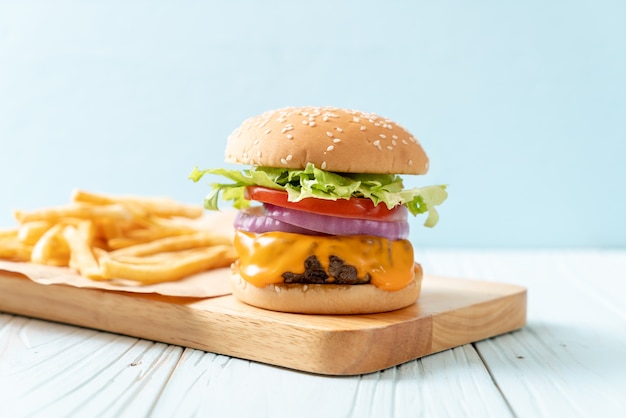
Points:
(333, 139)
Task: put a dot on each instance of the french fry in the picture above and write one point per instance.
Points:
(30, 232)
(11, 248)
(51, 248)
(86, 230)
(93, 198)
(177, 223)
(55, 214)
(166, 207)
(109, 229)
(175, 268)
(150, 234)
(157, 258)
(134, 235)
(14, 250)
(9, 233)
(82, 258)
(175, 243)
(158, 206)
(159, 228)
(114, 244)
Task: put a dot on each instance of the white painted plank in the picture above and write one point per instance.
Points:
(571, 358)
(49, 369)
(449, 384)
(453, 383)
(549, 370)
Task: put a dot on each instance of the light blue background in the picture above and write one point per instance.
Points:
(521, 106)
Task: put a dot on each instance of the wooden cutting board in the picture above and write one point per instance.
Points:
(449, 313)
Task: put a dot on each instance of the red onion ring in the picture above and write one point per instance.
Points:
(333, 225)
(253, 220)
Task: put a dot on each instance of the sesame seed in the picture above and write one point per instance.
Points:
(394, 142)
(283, 161)
(394, 136)
(324, 165)
(355, 119)
(389, 147)
(289, 136)
(338, 129)
(337, 140)
(289, 157)
(383, 136)
(362, 127)
(330, 148)
(268, 131)
(256, 142)
(325, 118)
(404, 142)
(305, 122)
(410, 162)
(311, 123)
(329, 134)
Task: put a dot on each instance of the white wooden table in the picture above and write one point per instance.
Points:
(570, 360)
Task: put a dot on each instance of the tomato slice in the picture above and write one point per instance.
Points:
(358, 208)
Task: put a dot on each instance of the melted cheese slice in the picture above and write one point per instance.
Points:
(263, 258)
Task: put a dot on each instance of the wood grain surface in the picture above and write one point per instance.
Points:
(449, 313)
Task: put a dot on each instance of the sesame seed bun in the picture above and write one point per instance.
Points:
(326, 299)
(333, 139)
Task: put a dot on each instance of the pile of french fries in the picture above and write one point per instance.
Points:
(144, 239)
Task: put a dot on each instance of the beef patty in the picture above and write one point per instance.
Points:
(314, 273)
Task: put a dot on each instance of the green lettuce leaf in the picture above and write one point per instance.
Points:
(313, 182)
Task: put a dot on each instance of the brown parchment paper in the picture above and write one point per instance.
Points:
(207, 284)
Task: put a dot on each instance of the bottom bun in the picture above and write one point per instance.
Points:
(331, 299)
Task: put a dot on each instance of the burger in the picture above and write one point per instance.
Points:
(322, 226)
